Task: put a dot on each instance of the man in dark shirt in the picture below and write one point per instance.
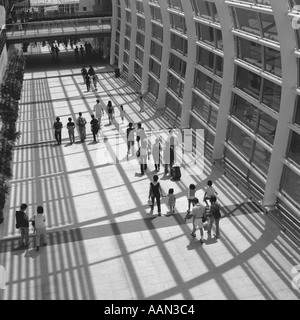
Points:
(130, 137)
(57, 130)
(22, 223)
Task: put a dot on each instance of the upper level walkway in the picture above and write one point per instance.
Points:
(45, 30)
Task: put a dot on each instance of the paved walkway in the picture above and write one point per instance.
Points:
(103, 243)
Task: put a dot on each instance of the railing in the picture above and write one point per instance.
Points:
(58, 27)
(2, 39)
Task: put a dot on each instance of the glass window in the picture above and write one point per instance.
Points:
(216, 92)
(244, 111)
(239, 140)
(248, 81)
(178, 65)
(156, 13)
(139, 54)
(247, 21)
(269, 27)
(205, 58)
(175, 4)
(219, 39)
(178, 22)
(290, 185)
(175, 85)
(213, 118)
(140, 39)
(200, 107)
(154, 67)
(297, 112)
(249, 51)
(156, 50)
(138, 70)
(157, 32)
(140, 23)
(205, 33)
(271, 95)
(235, 162)
(261, 159)
(179, 44)
(266, 127)
(273, 61)
(294, 148)
(153, 87)
(219, 66)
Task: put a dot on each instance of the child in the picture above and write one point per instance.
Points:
(209, 192)
(171, 200)
(190, 196)
(122, 113)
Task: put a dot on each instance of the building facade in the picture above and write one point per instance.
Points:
(229, 67)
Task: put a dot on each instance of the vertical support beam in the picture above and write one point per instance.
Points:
(288, 96)
(190, 67)
(133, 26)
(228, 78)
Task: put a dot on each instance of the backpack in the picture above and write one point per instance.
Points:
(80, 122)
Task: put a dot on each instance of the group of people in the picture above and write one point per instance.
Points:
(89, 76)
(38, 222)
(165, 153)
(209, 214)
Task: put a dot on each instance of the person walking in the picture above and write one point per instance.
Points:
(198, 213)
(171, 200)
(191, 195)
(22, 223)
(99, 111)
(130, 138)
(110, 112)
(81, 123)
(122, 113)
(209, 192)
(91, 71)
(40, 227)
(95, 81)
(214, 216)
(71, 130)
(56, 49)
(94, 127)
(81, 49)
(143, 157)
(83, 73)
(140, 134)
(141, 104)
(156, 154)
(88, 82)
(155, 193)
(57, 126)
(76, 51)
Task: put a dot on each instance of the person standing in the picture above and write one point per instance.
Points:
(140, 134)
(95, 81)
(155, 193)
(130, 138)
(122, 113)
(71, 130)
(81, 123)
(83, 73)
(95, 127)
(209, 192)
(99, 111)
(91, 71)
(214, 215)
(76, 53)
(143, 158)
(57, 130)
(56, 51)
(22, 223)
(156, 152)
(110, 112)
(198, 213)
(171, 200)
(88, 82)
(81, 52)
(40, 227)
(141, 104)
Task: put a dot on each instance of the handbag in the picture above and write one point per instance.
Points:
(150, 203)
(138, 153)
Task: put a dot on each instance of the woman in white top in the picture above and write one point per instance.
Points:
(40, 227)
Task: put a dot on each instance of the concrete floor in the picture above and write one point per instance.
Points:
(103, 243)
